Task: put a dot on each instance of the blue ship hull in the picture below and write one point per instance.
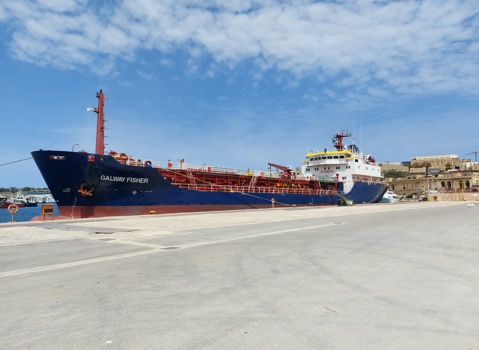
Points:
(92, 185)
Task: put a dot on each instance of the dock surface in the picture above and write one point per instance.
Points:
(384, 276)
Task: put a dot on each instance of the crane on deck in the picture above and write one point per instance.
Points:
(286, 170)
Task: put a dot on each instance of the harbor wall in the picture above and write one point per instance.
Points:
(454, 196)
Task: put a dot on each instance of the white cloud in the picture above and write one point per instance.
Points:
(146, 76)
(406, 46)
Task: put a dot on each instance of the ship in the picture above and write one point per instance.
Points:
(89, 185)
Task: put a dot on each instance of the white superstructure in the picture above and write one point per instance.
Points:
(345, 164)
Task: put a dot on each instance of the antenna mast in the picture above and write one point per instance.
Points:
(338, 139)
(100, 124)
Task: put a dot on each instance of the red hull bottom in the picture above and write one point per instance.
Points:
(104, 211)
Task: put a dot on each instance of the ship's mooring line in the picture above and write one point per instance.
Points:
(229, 195)
(21, 160)
(268, 200)
(66, 135)
(17, 161)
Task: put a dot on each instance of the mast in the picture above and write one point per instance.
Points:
(338, 139)
(100, 124)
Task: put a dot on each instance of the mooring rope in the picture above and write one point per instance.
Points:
(65, 136)
(268, 200)
(16, 161)
(21, 160)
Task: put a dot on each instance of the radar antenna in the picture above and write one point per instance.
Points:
(338, 139)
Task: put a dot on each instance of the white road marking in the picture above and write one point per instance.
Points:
(157, 249)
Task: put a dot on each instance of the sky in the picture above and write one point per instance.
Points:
(237, 83)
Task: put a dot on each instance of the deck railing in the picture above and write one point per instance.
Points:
(182, 166)
(248, 189)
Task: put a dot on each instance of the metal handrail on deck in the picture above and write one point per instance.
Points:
(247, 189)
(220, 170)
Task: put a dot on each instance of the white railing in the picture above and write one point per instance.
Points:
(248, 189)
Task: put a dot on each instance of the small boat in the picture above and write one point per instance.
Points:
(48, 198)
(6, 202)
(96, 184)
(30, 201)
(3, 199)
(390, 197)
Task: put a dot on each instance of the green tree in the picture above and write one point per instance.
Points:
(395, 174)
(426, 165)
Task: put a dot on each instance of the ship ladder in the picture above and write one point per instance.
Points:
(190, 176)
(252, 183)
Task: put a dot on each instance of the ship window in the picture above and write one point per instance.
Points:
(342, 157)
(338, 167)
(336, 157)
(356, 160)
(330, 157)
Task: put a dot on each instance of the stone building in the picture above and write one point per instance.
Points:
(443, 163)
(445, 174)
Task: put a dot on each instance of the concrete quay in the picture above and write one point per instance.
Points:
(383, 276)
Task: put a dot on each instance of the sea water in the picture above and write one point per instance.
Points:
(25, 213)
